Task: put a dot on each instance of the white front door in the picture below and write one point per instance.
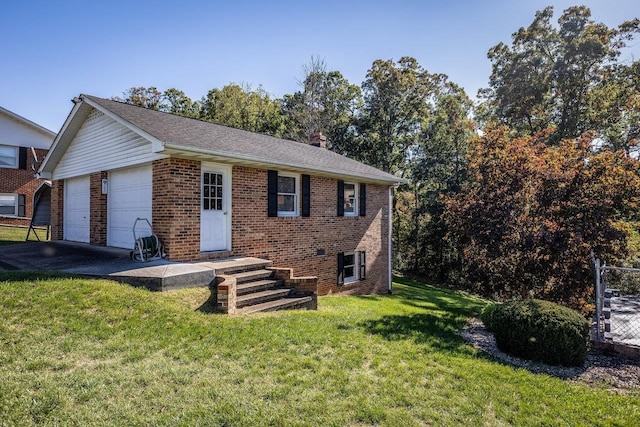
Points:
(76, 209)
(129, 197)
(215, 218)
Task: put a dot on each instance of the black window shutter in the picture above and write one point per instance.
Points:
(306, 195)
(363, 265)
(22, 157)
(363, 199)
(341, 268)
(21, 205)
(272, 190)
(340, 198)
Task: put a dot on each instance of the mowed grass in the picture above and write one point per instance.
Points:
(93, 352)
(9, 235)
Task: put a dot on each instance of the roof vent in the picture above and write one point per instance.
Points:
(318, 140)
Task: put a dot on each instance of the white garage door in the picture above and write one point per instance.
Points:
(129, 197)
(76, 209)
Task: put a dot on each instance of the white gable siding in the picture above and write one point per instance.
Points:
(103, 144)
(19, 134)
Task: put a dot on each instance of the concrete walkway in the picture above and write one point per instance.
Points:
(113, 263)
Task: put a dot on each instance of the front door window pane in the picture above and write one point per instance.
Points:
(212, 193)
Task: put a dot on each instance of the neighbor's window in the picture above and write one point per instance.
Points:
(288, 189)
(350, 199)
(9, 204)
(8, 156)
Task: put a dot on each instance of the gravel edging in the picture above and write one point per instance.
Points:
(618, 374)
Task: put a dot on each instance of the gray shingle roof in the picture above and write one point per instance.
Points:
(187, 133)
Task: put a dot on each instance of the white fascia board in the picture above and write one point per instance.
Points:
(156, 144)
(268, 163)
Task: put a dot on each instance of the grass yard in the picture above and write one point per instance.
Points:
(91, 352)
(9, 235)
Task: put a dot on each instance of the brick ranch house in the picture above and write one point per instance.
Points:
(212, 191)
(23, 144)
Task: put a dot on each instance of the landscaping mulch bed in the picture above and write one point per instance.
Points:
(616, 373)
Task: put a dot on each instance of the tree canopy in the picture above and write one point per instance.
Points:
(568, 77)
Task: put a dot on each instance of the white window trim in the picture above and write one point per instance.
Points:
(17, 157)
(356, 201)
(15, 204)
(356, 267)
(296, 201)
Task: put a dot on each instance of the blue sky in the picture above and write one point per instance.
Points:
(55, 50)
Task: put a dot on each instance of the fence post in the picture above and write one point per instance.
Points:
(598, 298)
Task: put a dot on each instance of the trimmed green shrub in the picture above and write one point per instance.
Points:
(541, 331)
(487, 316)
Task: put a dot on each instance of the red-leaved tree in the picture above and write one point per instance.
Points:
(530, 214)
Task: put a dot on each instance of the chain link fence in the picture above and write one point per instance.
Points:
(617, 303)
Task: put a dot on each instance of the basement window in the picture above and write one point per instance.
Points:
(351, 266)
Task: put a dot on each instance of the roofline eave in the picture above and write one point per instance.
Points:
(256, 161)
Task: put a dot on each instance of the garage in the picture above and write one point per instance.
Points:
(129, 196)
(76, 209)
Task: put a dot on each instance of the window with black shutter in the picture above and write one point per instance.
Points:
(306, 195)
(363, 200)
(272, 190)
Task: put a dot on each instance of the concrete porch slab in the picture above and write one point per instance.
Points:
(116, 264)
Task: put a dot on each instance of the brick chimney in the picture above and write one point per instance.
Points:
(318, 140)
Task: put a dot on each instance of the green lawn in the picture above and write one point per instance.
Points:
(90, 352)
(10, 235)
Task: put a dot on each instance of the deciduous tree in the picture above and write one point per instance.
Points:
(244, 108)
(530, 214)
(567, 76)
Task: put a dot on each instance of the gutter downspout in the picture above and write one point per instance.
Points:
(390, 243)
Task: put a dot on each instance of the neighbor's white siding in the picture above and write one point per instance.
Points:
(19, 134)
(102, 144)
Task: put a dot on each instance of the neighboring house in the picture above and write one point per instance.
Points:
(23, 144)
(212, 191)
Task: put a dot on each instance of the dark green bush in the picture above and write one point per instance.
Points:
(487, 316)
(542, 331)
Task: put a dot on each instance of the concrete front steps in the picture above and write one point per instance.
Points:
(256, 288)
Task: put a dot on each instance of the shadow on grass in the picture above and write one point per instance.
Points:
(421, 295)
(211, 304)
(442, 315)
(441, 331)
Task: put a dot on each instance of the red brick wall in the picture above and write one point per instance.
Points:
(57, 209)
(20, 181)
(97, 210)
(294, 241)
(176, 207)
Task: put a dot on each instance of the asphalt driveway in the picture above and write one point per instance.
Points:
(69, 257)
